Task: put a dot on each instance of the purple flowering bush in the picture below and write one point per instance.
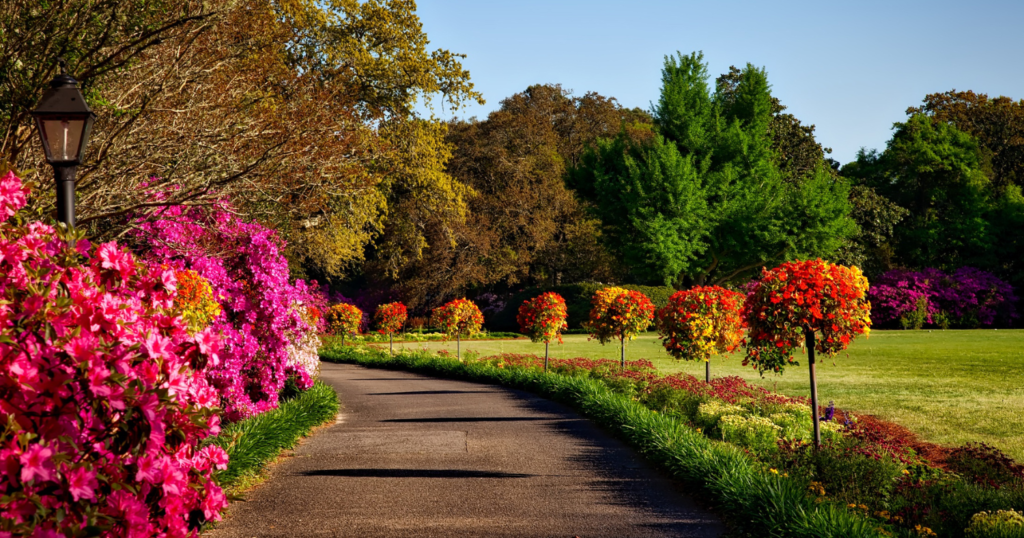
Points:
(266, 320)
(965, 298)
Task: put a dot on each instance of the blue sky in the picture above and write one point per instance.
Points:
(850, 68)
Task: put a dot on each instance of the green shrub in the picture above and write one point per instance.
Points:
(755, 433)
(577, 303)
(916, 318)
(999, 524)
(709, 413)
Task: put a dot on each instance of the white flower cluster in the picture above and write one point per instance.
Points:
(303, 351)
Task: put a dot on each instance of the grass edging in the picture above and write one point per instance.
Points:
(754, 500)
(254, 442)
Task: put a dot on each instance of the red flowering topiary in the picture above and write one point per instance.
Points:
(390, 317)
(457, 318)
(621, 314)
(701, 322)
(105, 396)
(797, 301)
(543, 319)
(344, 319)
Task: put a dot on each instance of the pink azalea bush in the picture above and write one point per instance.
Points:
(264, 320)
(967, 298)
(104, 397)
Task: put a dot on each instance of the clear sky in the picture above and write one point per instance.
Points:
(850, 68)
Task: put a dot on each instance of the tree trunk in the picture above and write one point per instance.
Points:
(707, 371)
(814, 388)
(458, 347)
(391, 338)
(622, 355)
(545, 356)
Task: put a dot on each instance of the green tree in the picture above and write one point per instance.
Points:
(750, 213)
(936, 172)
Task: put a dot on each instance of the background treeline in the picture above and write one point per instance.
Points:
(308, 116)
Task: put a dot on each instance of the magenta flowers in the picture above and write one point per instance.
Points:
(105, 393)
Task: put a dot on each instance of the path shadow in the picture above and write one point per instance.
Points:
(414, 473)
(468, 419)
(425, 392)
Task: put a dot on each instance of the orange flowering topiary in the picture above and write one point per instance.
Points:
(618, 313)
(543, 317)
(344, 319)
(460, 317)
(699, 323)
(800, 297)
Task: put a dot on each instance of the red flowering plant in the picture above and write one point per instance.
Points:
(794, 302)
(344, 319)
(389, 319)
(699, 323)
(105, 399)
(618, 313)
(457, 318)
(543, 319)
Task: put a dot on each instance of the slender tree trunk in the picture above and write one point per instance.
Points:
(391, 338)
(622, 355)
(458, 347)
(545, 356)
(814, 388)
(707, 371)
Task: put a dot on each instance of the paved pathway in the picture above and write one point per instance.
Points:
(419, 456)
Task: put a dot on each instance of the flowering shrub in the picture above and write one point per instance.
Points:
(263, 315)
(543, 317)
(619, 313)
(701, 322)
(458, 318)
(811, 295)
(390, 317)
(967, 298)
(198, 305)
(344, 319)
(105, 397)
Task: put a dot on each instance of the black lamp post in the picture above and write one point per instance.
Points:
(64, 122)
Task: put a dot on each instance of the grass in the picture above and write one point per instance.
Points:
(949, 387)
(757, 502)
(253, 443)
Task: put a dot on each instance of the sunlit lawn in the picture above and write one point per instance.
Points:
(948, 386)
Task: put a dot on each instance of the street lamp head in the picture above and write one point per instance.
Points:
(64, 121)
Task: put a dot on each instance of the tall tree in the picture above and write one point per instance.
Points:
(997, 124)
(752, 213)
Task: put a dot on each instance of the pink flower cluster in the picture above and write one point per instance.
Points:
(104, 397)
(261, 310)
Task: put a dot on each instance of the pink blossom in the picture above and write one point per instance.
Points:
(82, 484)
(36, 462)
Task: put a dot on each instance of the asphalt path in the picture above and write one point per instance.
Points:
(412, 455)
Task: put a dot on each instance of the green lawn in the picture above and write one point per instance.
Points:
(948, 386)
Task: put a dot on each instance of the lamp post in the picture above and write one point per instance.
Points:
(64, 122)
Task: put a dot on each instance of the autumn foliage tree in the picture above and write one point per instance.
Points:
(389, 319)
(620, 314)
(814, 302)
(543, 319)
(701, 322)
(458, 318)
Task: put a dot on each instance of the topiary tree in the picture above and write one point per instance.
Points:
(389, 319)
(543, 319)
(794, 302)
(701, 322)
(344, 319)
(619, 313)
(458, 318)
